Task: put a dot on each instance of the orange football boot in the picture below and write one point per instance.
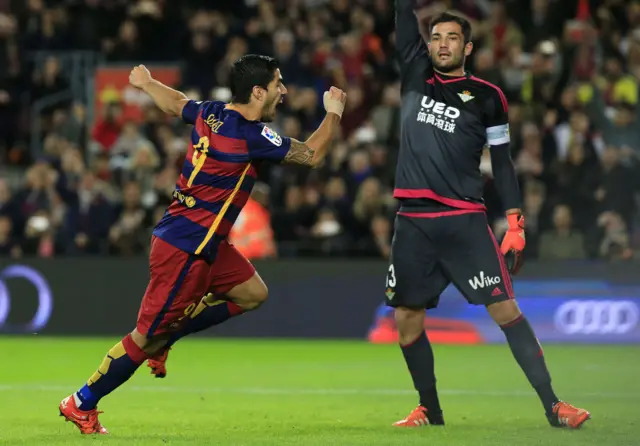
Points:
(417, 418)
(86, 420)
(566, 415)
(158, 363)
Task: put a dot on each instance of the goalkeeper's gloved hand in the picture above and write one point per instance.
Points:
(513, 242)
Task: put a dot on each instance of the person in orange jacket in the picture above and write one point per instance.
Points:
(252, 234)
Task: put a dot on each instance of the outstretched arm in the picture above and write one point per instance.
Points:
(265, 144)
(314, 149)
(166, 98)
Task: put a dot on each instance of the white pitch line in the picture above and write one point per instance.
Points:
(309, 391)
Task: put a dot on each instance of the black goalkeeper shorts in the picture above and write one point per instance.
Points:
(451, 247)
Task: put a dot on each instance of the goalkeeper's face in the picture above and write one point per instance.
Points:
(447, 47)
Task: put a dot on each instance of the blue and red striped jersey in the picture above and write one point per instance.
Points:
(217, 176)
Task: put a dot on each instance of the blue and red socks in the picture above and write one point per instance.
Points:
(528, 353)
(118, 366)
(208, 313)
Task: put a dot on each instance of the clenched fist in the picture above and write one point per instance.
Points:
(334, 101)
(140, 76)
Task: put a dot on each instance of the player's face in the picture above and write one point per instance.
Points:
(447, 47)
(275, 93)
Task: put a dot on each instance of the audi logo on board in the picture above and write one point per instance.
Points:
(45, 299)
(603, 317)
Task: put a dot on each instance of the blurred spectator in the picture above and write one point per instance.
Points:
(563, 242)
(127, 236)
(536, 215)
(8, 206)
(500, 33)
(336, 198)
(107, 129)
(370, 202)
(49, 80)
(577, 178)
(39, 235)
(293, 221)
(386, 116)
(378, 242)
(9, 246)
(252, 234)
(328, 234)
(90, 215)
(615, 243)
(486, 67)
(577, 130)
(619, 124)
(618, 184)
(570, 70)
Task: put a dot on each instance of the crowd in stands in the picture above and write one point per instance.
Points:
(569, 68)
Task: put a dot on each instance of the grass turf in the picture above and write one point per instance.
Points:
(271, 392)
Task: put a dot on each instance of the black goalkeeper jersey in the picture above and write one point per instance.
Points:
(446, 123)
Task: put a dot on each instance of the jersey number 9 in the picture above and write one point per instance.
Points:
(199, 157)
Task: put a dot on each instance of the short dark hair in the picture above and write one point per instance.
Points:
(249, 71)
(446, 17)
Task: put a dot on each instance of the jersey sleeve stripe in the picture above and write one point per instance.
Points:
(227, 203)
(503, 98)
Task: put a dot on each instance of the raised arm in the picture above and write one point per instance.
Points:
(409, 42)
(314, 149)
(166, 98)
(265, 144)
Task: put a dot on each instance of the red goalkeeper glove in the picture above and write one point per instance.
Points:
(513, 242)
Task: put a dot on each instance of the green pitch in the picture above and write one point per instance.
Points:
(303, 393)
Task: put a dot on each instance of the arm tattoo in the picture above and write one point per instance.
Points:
(299, 153)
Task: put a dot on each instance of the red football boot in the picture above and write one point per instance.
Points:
(158, 363)
(86, 420)
(417, 418)
(566, 415)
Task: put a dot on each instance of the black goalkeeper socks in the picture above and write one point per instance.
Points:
(419, 358)
(527, 351)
